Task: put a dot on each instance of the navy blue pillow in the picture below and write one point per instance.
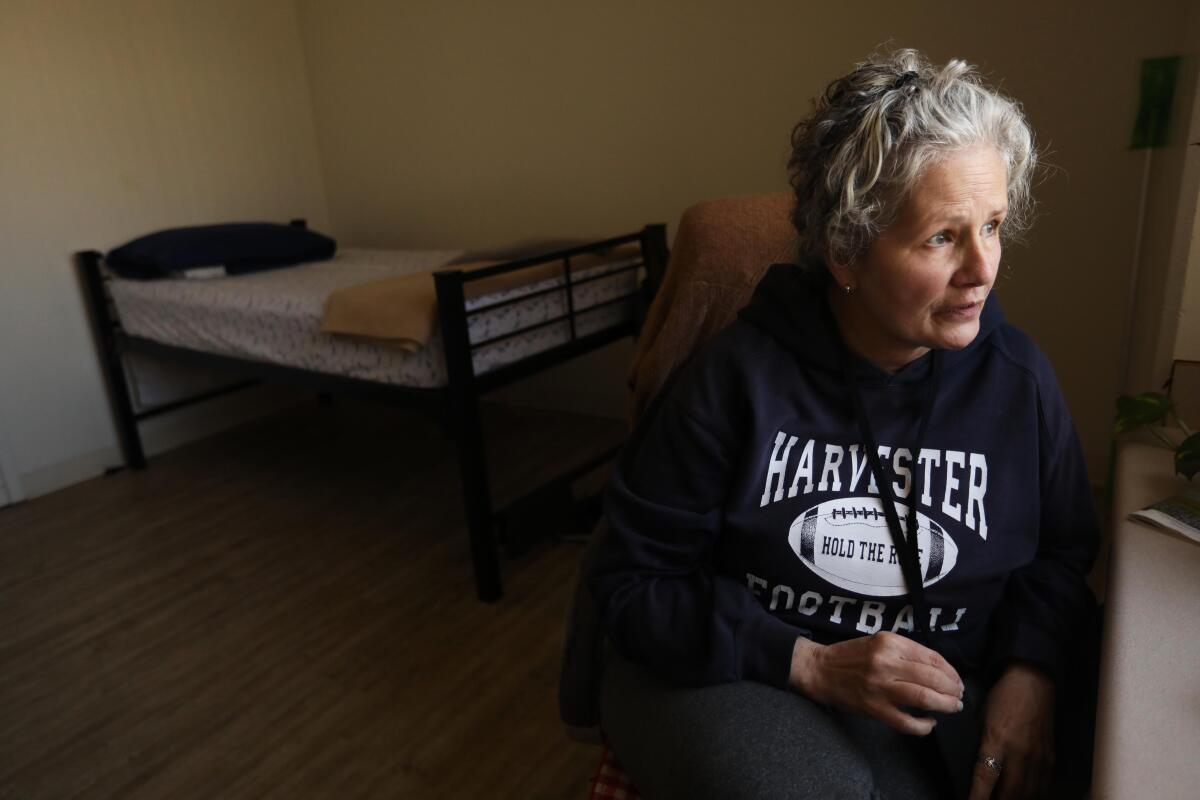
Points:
(238, 246)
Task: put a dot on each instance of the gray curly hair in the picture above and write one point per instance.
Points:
(872, 134)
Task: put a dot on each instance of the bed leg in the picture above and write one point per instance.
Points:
(104, 326)
(477, 497)
(468, 432)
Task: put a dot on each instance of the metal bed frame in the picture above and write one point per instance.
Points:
(455, 405)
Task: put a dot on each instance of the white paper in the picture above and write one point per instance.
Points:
(1180, 513)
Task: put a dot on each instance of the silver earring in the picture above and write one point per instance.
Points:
(849, 288)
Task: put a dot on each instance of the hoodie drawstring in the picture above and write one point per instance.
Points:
(910, 560)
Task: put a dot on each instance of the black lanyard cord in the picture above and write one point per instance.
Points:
(906, 547)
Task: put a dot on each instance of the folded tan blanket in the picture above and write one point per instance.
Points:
(721, 251)
(401, 311)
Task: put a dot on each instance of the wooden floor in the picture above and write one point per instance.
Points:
(286, 610)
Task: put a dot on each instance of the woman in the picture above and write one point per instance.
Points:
(788, 638)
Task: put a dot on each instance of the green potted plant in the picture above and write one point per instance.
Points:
(1154, 410)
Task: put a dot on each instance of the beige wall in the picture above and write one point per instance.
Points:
(1187, 238)
(120, 117)
(1187, 342)
(1161, 323)
(458, 123)
(462, 124)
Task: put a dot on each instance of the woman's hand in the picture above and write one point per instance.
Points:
(1018, 731)
(876, 675)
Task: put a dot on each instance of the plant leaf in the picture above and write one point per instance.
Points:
(1187, 456)
(1148, 408)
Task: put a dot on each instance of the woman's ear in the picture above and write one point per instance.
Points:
(842, 274)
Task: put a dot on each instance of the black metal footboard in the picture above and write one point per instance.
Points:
(465, 386)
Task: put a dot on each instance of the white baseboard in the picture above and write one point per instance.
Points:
(62, 474)
(12, 490)
(161, 434)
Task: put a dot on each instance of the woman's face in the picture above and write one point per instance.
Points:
(923, 282)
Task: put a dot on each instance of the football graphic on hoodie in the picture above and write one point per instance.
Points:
(847, 542)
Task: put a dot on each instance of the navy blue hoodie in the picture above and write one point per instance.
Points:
(743, 512)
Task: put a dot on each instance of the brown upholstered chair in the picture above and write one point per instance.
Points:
(721, 250)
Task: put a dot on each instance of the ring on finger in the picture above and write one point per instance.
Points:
(992, 763)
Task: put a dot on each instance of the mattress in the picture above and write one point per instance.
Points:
(275, 316)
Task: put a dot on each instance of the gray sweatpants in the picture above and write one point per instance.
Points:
(749, 740)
